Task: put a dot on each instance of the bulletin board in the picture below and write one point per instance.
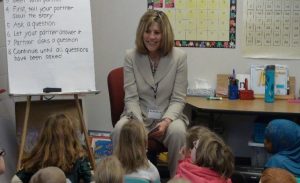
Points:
(200, 23)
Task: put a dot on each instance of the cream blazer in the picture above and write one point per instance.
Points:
(170, 79)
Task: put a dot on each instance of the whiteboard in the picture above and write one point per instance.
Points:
(49, 44)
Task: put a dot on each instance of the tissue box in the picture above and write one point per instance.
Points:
(200, 92)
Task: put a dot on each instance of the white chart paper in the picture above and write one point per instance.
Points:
(49, 44)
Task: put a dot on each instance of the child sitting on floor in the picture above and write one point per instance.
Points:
(109, 169)
(58, 145)
(206, 158)
(132, 152)
(49, 174)
(277, 175)
(282, 140)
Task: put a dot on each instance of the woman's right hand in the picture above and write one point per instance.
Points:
(161, 129)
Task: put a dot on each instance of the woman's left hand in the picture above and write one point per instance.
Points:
(162, 128)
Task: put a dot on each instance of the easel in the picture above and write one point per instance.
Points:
(82, 125)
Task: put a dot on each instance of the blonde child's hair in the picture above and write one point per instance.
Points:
(58, 145)
(131, 149)
(178, 180)
(212, 152)
(49, 175)
(277, 175)
(159, 17)
(109, 170)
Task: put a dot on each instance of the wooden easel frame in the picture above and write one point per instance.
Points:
(82, 125)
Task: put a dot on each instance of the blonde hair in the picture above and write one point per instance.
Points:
(178, 180)
(131, 149)
(57, 145)
(146, 21)
(212, 152)
(49, 175)
(277, 175)
(109, 170)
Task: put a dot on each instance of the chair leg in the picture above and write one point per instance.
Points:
(152, 156)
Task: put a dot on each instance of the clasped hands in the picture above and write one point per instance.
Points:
(160, 128)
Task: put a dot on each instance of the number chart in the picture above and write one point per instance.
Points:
(271, 29)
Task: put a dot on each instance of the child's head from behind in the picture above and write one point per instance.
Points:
(109, 170)
(131, 149)
(59, 128)
(58, 145)
(49, 175)
(211, 152)
(277, 175)
(178, 180)
(280, 135)
(193, 134)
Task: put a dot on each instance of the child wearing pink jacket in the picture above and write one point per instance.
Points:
(206, 158)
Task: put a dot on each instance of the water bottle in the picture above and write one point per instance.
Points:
(269, 83)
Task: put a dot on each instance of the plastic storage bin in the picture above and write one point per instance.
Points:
(259, 132)
(259, 155)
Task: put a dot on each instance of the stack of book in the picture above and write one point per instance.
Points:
(101, 143)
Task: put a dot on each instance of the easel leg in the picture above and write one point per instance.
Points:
(83, 127)
(24, 132)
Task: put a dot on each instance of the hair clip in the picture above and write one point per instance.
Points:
(159, 13)
(2, 152)
(196, 143)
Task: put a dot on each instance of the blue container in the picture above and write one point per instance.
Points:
(270, 83)
(233, 92)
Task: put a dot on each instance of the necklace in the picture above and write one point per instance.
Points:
(153, 65)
